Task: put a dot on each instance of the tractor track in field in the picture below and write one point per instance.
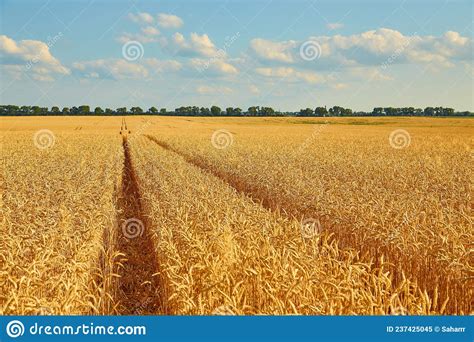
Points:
(343, 238)
(266, 201)
(139, 291)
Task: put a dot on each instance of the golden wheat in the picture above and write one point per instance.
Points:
(225, 206)
(58, 224)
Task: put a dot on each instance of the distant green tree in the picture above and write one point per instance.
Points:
(253, 111)
(163, 111)
(306, 112)
(98, 111)
(84, 110)
(320, 111)
(204, 111)
(65, 111)
(153, 110)
(25, 110)
(346, 112)
(215, 111)
(378, 111)
(36, 110)
(55, 110)
(136, 110)
(429, 111)
(267, 111)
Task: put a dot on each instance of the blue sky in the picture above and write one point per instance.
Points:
(284, 54)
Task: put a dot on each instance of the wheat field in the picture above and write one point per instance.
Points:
(236, 216)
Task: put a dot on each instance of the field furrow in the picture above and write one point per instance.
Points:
(411, 206)
(139, 291)
(221, 252)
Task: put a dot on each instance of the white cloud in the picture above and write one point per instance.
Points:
(334, 26)
(213, 66)
(369, 48)
(169, 21)
(110, 68)
(150, 31)
(159, 66)
(274, 51)
(290, 73)
(30, 56)
(141, 18)
(122, 69)
(142, 38)
(149, 34)
(196, 45)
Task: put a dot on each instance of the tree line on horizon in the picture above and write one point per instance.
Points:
(13, 110)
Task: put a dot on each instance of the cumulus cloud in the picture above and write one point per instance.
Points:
(274, 51)
(369, 48)
(30, 56)
(166, 20)
(148, 34)
(159, 66)
(110, 68)
(214, 66)
(150, 31)
(334, 26)
(121, 69)
(141, 18)
(290, 74)
(196, 45)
